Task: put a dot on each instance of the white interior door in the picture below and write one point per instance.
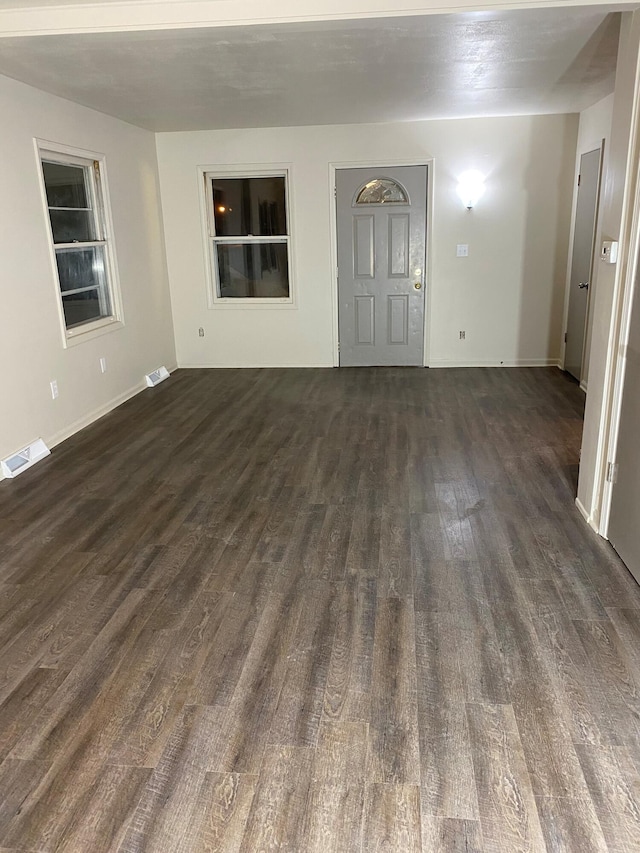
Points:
(381, 220)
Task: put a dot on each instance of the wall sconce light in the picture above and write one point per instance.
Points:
(470, 188)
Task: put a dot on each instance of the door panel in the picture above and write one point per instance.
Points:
(399, 245)
(398, 322)
(582, 260)
(381, 261)
(624, 520)
(363, 246)
(365, 325)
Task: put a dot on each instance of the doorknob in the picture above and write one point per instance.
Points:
(418, 285)
(584, 285)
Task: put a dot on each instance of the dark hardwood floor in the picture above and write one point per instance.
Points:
(318, 610)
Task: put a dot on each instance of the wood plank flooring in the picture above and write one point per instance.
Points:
(318, 610)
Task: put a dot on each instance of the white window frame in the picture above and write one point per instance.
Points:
(98, 190)
(206, 175)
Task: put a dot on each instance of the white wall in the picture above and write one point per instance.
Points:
(594, 126)
(507, 295)
(31, 347)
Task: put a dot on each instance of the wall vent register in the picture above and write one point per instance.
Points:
(23, 459)
(156, 376)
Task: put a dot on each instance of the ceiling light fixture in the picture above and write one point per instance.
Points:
(470, 188)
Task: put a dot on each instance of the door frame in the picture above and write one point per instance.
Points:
(381, 164)
(597, 513)
(626, 282)
(594, 252)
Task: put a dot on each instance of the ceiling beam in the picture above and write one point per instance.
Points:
(78, 16)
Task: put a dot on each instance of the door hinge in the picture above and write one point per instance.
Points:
(612, 472)
(565, 337)
(579, 179)
(338, 346)
(335, 192)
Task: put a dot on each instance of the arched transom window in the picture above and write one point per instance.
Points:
(382, 191)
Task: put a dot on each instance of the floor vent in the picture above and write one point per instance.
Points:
(157, 376)
(23, 459)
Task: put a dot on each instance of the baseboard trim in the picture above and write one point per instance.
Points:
(93, 416)
(518, 362)
(96, 414)
(540, 362)
(587, 517)
(250, 366)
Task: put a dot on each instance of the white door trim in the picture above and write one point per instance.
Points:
(599, 511)
(380, 164)
(621, 321)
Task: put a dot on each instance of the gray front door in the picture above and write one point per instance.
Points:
(381, 216)
(582, 261)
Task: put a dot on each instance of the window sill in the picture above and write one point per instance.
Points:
(231, 303)
(94, 330)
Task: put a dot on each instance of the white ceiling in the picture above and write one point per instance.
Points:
(331, 72)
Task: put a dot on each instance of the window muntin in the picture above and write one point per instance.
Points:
(77, 221)
(249, 237)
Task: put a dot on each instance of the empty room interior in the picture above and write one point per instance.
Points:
(319, 458)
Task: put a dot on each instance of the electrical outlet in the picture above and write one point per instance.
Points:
(201, 332)
(462, 250)
(54, 388)
(103, 365)
(463, 335)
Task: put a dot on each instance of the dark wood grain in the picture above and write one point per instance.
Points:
(348, 686)
(447, 779)
(612, 779)
(570, 824)
(318, 610)
(277, 817)
(506, 803)
(168, 813)
(224, 801)
(449, 835)
(392, 819)
(334, 810)
(296, 718)
(394, 754)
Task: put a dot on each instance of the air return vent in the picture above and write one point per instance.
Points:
(23, 459)
(157, 376)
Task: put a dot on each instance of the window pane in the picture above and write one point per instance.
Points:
(72, 225)
(79, 268)
(382, 191)
(249, 207)
(82, 308)
(66, 186)
(258, 270)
